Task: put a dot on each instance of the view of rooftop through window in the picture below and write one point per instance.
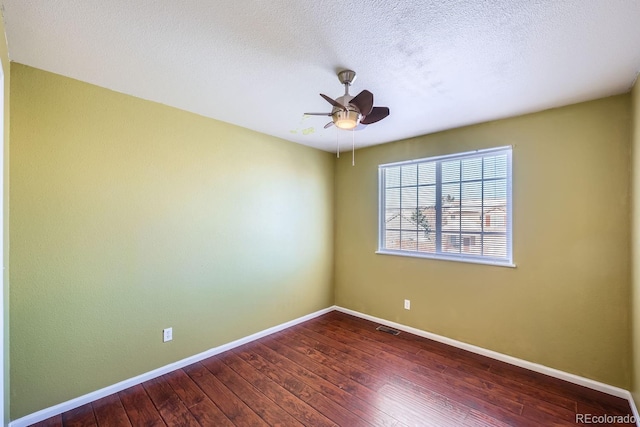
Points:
(454, 205)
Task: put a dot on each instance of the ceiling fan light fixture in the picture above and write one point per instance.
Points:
(348, 119)
(352, 112)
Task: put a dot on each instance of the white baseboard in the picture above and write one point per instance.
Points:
(575, 379)
(634, 408)
(98, 394)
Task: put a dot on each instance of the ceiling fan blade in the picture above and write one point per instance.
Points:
(317, 114)
(376, 114)
(363, 102)
(328, 125)
(333, 102)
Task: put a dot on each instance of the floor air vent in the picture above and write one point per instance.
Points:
(388, 330)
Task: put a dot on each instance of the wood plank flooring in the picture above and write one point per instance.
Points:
(337, 370)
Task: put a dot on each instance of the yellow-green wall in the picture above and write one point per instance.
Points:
(4, 60)
(129, 216)
(635, 240)
(566, 305)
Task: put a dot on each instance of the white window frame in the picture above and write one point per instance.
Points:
(461, 257)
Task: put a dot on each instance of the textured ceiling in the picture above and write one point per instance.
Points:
(261, 64)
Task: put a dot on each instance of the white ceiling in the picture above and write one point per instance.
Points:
(261, 64)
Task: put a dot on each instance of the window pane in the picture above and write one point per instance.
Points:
(495, 189)
(392, 218)
(470, 218)
(392, 198)
(392, 177)
(427, 173)
(409, 241)
(471, 206)
(495, 167)
(451, 171)
(409, 197)
(409, 175)
(451, 243)
(427, 242)
(472, 169)
(471, 244)
(409, 218)
(450, 194)
(495, 219)
(392, 240)
(451, 218)
(495, 246)
(427, 197)
(425, 220)
(472, 193)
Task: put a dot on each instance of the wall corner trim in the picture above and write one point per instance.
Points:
(43, 414)
(634, 408)
(552, 372)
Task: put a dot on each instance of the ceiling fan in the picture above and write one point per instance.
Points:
(348, 111)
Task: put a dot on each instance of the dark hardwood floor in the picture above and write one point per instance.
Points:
(338, 370)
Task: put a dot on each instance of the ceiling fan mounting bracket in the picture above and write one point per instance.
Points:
(347, 77)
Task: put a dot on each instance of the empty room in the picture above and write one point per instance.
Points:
(290, 213)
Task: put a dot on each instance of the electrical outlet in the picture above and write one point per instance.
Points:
(167, 334)
(407, 304)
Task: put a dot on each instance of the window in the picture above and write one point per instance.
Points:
(455, 207)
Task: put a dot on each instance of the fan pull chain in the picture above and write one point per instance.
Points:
(337, 143)
(353, 147)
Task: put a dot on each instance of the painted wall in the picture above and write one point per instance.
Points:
(4, 176)
(566, 305)
(128, 217)
(635, 240)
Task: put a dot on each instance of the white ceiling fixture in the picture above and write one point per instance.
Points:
(450, 63)
(349, 111)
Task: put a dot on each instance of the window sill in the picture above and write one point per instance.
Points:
(446, 258)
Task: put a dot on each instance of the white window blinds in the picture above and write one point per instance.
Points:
(455, 207)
